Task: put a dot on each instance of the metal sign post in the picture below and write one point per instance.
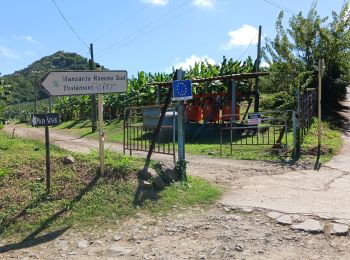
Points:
(48, 161)
(182, 90)
(46, 120)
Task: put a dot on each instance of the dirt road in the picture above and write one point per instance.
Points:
(269, 211)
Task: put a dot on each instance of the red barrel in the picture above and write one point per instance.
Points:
(210, 113)
(227, 111)
(193, 113)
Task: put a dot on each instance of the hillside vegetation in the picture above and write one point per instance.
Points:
(22, 81)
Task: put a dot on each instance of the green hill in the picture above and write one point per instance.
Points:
(22, 81)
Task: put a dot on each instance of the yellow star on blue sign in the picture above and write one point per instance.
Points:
(182, 90)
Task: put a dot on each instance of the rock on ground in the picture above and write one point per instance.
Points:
(274, 215)
(309, 225)
(285, 220)
(339, 229)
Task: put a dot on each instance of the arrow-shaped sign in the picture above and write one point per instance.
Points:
(68, 83)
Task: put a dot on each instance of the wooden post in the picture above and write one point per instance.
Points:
(233, 99)
(320, 75)
(257, 68)
(101, 133)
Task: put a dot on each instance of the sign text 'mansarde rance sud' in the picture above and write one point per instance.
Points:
(67, 83)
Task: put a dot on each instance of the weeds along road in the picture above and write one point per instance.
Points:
(222, 171)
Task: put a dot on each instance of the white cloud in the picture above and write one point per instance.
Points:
(243, 36)
(190, 61)
(204, 3)
(27, 38)
(264, 64)
(156, 2)
(8, 53)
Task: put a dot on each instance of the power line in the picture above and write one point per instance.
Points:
(146, 33)
(69, 25)
(121, 23)
(144, 27)
(279, 6)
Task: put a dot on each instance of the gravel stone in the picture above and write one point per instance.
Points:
(339, 229)
(117, 238)
(285, 220)
(83, 244)
(274, 214)
(310, 226)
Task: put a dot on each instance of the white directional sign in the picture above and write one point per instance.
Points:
(68, 83)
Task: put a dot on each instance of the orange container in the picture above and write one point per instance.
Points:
(227, 111)
(193, 113)
(210, 113)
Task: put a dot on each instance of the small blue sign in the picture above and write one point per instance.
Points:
(182, 90)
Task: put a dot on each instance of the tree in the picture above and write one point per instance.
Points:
(5, 93)
(294, 53)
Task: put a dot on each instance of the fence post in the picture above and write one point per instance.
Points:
(297, 125)
(294, 134)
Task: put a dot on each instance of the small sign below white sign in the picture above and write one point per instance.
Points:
(69, 83)
(254, 118)
(49, 119)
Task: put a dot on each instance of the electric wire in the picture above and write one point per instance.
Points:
(246, 49)
(104, 34)
(69, 25)
(146, 33)
(279, 6)
(120, 23)
(103, 51)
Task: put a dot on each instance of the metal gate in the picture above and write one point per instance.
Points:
(306, 111)
(271, 134)
(140, 124)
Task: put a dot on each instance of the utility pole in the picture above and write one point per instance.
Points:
(257, 68)
(320, 75)
(35, 72)
(93, 97)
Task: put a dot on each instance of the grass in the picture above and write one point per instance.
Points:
(80, 198)
(113, 129)
(208, 142)
(331, 142)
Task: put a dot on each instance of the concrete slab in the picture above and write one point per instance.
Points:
(324, 193)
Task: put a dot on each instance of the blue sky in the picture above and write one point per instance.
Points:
(149, 35)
